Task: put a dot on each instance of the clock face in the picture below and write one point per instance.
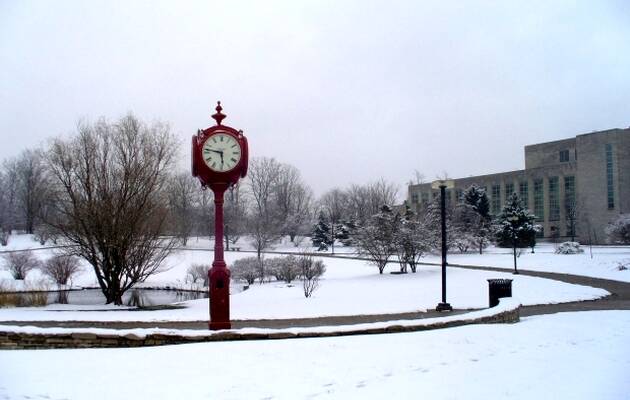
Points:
(221, 152)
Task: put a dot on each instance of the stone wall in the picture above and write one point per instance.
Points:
(57, 340)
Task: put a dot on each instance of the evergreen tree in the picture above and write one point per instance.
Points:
(433, 222)
(321, 235)
(342, 233)
(479, 226)
(515, 226)
(477, 198)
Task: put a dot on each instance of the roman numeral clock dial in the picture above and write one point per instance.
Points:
(221, 152)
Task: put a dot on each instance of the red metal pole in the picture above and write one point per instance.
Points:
(219, 274)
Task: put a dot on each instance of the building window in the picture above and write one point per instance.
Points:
(414, 198)
(564, 155)
(459, 195)
(609, 177)
(496, 199)
(554, 199)
(425, 198)
(523, 194)
(509, 189)
(539, 202)
(570, 209)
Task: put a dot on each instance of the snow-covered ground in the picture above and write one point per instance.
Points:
(349, 287)
(596, 261)
(562, 356)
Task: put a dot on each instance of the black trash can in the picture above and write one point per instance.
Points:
(498, 288)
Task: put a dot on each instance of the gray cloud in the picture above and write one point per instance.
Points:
(347, 91)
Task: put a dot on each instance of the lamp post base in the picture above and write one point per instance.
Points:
(215, 326)
(443, 307)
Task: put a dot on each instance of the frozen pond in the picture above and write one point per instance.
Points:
(135, 297)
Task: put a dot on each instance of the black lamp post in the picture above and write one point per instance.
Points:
(443, 184)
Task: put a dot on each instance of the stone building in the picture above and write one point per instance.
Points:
(576, 184)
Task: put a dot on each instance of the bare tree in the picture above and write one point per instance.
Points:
(205, 213)
(182, 196)
(198, 272)
(8, 200)
(235, 215)
(263, 220)
(363, 201)
(377, 238)
(60, 268)
(571, 216)
(111, 200)
(418, 178)
(293, 198)
(32, 185)
(411, 239)
(20, 263)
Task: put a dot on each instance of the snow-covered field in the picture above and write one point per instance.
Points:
(596, 261)
(563, 356)
(349, 287)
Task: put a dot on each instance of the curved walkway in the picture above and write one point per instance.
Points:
(619, 299)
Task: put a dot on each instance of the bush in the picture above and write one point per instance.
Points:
(42, 234)
(310, 271)
(618, 231)
(61, 268)
(247, 269)
(569, 248)
(284, 268)
(198, 272)
(20, 263)
(4, 237)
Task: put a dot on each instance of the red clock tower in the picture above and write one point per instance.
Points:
(219, 160)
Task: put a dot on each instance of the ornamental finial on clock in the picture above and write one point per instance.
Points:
(219, 115)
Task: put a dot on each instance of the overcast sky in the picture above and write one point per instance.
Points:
(347, 91)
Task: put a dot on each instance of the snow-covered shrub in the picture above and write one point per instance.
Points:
(569, 248)
(4, 237)
(310, 271)
(376, 239)
(42, 234)
(246, 269)
(20, 263)
(623, 265)
(618, 231)
(198, 272)
(61, 268)
(284, 268)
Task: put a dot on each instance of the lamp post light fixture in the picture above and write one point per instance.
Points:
(443, 185)
(513, 220)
